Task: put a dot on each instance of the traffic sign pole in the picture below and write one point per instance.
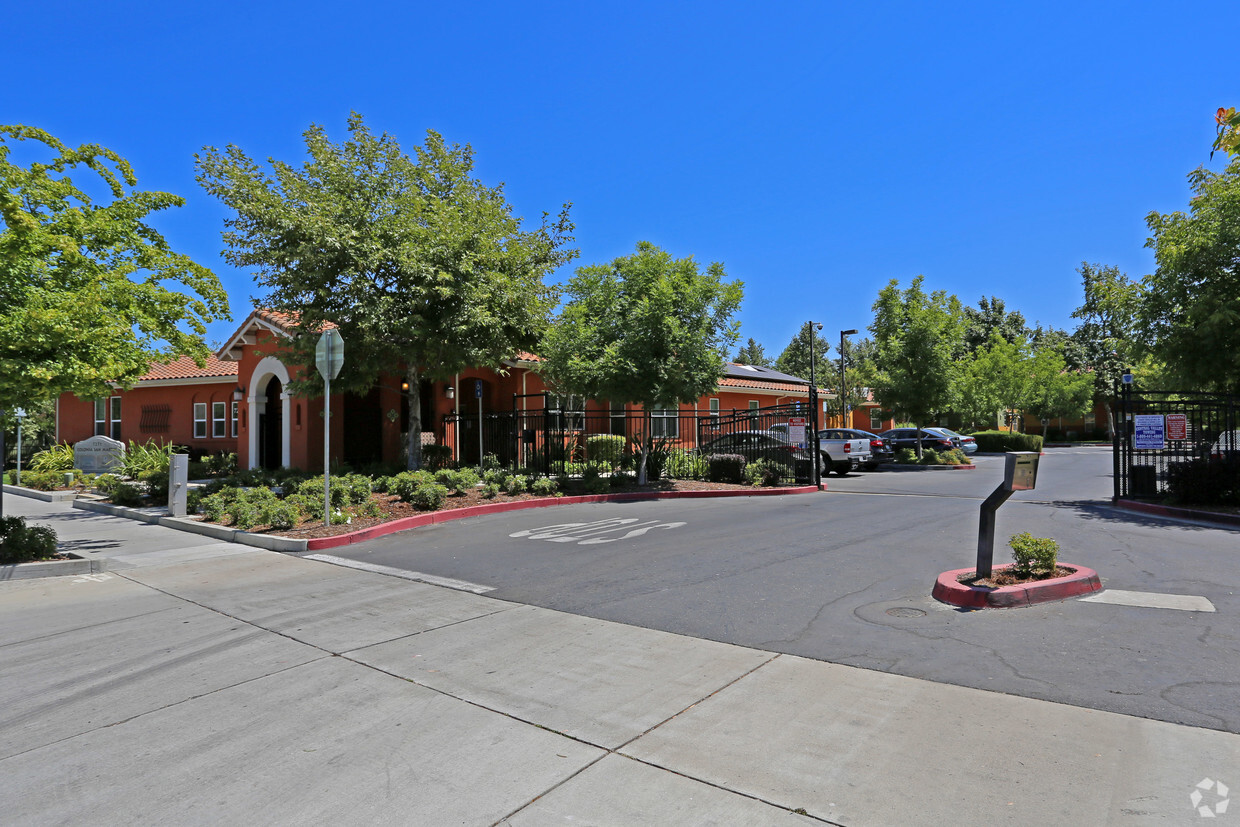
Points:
(328, 357)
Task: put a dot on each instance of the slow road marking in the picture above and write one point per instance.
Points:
(1151, 600)
(588, 534)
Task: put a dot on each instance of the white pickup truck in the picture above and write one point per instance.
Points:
(840, 453)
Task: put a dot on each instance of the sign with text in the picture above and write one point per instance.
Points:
(796, 430)
(1149, 432)
(1177, 426)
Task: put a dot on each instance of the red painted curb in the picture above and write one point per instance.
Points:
(1175, 511)
(406, 523)
(949, 589)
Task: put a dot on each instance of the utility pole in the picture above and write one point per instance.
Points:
(843, 384)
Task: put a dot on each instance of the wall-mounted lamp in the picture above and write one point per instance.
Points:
(404, 386)
(449, 392)
(239, 393)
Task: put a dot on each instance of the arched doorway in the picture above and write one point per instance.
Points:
(271, 427)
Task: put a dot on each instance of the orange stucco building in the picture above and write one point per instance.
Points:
(239, 403)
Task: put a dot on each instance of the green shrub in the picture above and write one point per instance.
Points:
(656, 458)
(20, 543)
(57, 458)
(619, 479)
(127, 495)
(490, 462)
(308, 508)
(260, 496)
(193, 500)
(457, 482)
(491, 490)
(280, 514)
(148, 456)
(726, 468)
(1033, 556)
(429, 496)
(763, 472)
(406, 483)
(221, 464)
(515, 485)
(358, 488)
(929, 456)
(313, 487)
(596, 485)
(607, 449)
(370, 508)
(544, 487)
(1003, 441)
(244, 515)
(686, 465)
(213, 508)
(380, 484)
(954, 457)
(156, 484)
(435, 457)
(43, 481)
(906, 455)
(1206, 481)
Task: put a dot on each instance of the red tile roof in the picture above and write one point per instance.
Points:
(184, 368)
(285, 321)
(788, 387)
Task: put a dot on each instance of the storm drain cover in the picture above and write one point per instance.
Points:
(906, 611)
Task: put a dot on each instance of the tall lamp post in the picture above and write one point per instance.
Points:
(843, 385)
(813, 404)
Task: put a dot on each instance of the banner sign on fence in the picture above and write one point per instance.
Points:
(1149, 432)
(1177, 426)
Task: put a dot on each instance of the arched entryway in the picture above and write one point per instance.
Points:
(269, 442)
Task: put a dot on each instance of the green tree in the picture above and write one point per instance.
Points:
(645, 329)
(1107, 337)
(425, 269)
(90, 293)
(994, 379)
(752, 354)
(1228, 139)
(991, 316)
(795, 358)
(1190, 308)
(916, 337)
(1054, 390)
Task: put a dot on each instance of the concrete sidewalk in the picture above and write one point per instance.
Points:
(201, 682)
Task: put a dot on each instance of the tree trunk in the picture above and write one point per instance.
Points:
(641, 464)
(917, 425)
(413, 426)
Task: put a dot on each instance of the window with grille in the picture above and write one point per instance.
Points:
(664, 422)
(116, 417)
(200, 420)
(219, 419)
(101, 417)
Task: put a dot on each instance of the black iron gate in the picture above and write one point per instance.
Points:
(1160, 430)
(550, 435)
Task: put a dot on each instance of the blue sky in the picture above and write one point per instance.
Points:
(817, 149)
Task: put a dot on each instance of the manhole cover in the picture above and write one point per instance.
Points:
(906, 611)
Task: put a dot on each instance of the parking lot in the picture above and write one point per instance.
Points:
(845, 576)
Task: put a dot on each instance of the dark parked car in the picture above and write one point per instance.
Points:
(899, 438)
(756, 445)
(880, 451)
(967, 443)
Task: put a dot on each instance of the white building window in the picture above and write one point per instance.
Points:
(115, 405)
(101, 417)
(200, 420)
(714, 407)
(567, 413)
(665, 422)
(219, 419)
(876, 421)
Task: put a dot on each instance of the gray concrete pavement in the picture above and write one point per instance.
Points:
(245, 686)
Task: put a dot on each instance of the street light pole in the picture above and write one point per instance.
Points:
(843, 384)
(813, 327)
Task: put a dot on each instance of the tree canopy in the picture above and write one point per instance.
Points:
(90, 293)
(794, 360)
(1190, 308)
(991, 316)
(752, 354)
(645, 329)
(425, 269)
(916, 336)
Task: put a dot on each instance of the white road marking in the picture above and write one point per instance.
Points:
(1152, 600)
(584, 534)
(446, 582)
(92, 578)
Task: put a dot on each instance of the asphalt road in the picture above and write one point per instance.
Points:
(845, 576)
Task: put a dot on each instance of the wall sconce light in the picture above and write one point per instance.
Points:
(404, 386)
(239, 393)
(449, 392)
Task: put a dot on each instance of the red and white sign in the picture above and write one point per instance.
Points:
(796, 430)
(1177, 426)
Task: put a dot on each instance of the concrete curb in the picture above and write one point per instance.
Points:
(949, 589)
(1230, 520)
(53, 568)
(894, 466)
(291, 545)
(45, 496)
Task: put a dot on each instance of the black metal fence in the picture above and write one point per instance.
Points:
(543, 436)
(1160, 430)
